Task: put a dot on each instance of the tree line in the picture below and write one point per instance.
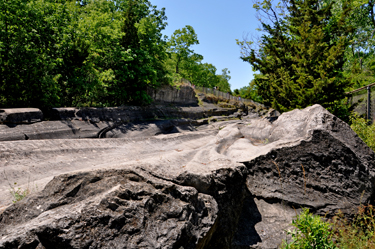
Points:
(310, 51)
(93, 53)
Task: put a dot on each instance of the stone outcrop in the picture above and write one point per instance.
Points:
(231, 184)
(74, 123)
(177, 104)
(20, 115)
(112, 209)
(183, 95)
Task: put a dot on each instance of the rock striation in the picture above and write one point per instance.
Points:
(231, 184)
(74, 123)
(174, 109)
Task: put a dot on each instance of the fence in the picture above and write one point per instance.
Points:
(362, 97)
(218, 93)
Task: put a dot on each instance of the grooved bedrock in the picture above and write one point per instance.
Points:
(231, 184)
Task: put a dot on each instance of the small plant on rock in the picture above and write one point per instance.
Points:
(311, 232)
(18, 193)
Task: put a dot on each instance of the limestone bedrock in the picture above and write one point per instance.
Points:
(231, 184)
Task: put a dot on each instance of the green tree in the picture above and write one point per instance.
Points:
(96, 29)
(301, 55)
(184, 63)
(360, 56)
(180, 45)
(204, 74)
(249, 92)
(24, 63)
(144, 52)
(223, 80)
(69, 53)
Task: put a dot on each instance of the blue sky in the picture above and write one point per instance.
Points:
(218, 24)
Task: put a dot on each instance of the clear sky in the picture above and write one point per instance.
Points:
(218, 24)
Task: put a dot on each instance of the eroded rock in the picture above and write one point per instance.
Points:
(232, 184)
(110, 209)
(20, 115)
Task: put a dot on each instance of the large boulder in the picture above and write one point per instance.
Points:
(232, 184)
(110, 209)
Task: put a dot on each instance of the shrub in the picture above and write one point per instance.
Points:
(311, 232)
(314, 232)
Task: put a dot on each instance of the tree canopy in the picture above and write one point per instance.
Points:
(301, 54)
(185, 63)
(90, 53)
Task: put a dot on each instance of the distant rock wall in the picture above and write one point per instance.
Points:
(178, 104)
(183, 95)
(20, 115)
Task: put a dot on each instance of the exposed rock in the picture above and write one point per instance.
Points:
(90, 122)
(233, 184)
(65, 129)
(75, 129)
(20, 115)
(148, 129)
(111, 209)
(64, 113)
(137, 114)
(115, 122)
(183, 95)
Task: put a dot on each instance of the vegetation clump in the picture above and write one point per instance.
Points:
(313, 231)
(18, 193)
(364, 130)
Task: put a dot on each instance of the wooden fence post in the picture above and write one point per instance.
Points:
(369, 118)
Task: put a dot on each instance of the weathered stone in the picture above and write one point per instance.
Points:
(20, 115)
(240, 183)
(115, 122)
(183, 95)
(64, 113)
(110, 209)
(148, 129)
(65, 129)
(138, 114)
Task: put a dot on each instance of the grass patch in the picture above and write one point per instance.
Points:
(358, 232)
(312, 231)
(365, 131)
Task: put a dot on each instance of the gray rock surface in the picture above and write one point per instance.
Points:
(65, 129)
(183, 95)
(20, 115)
(231, 184)
(76, 129)
(111, 209)
(74, 123)
(177, 104)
